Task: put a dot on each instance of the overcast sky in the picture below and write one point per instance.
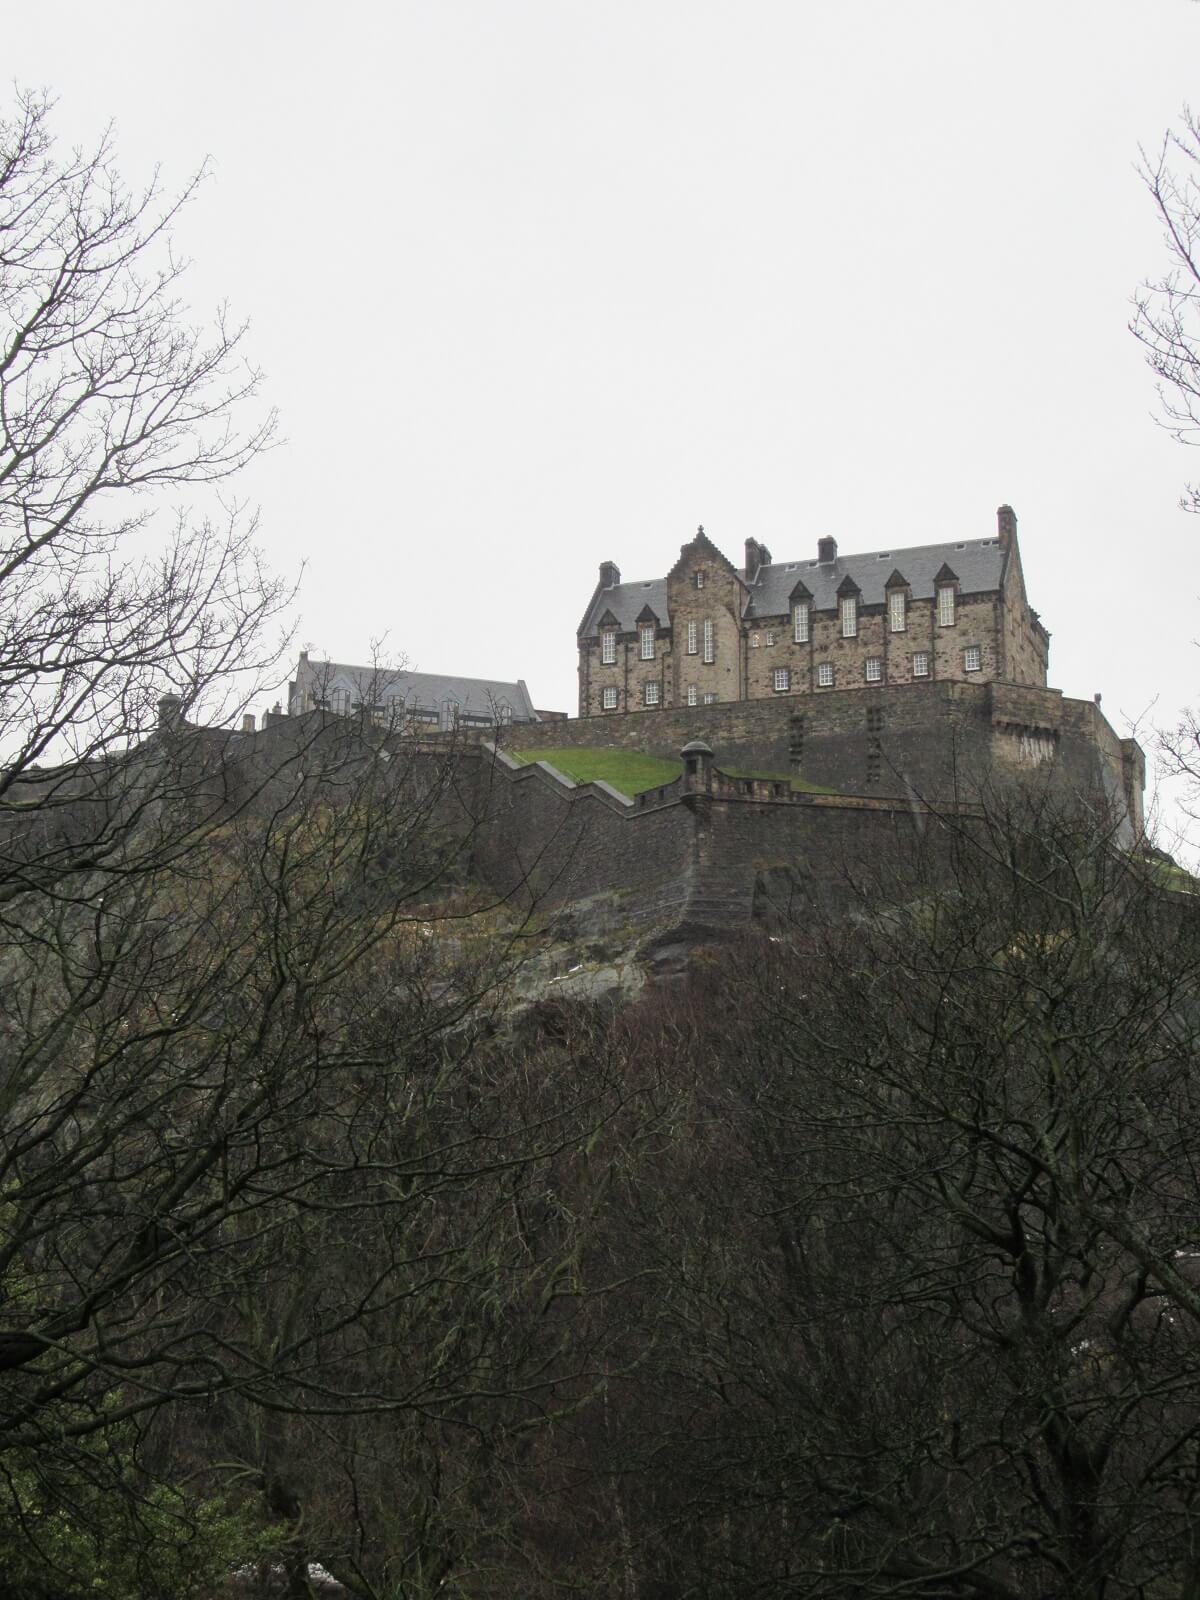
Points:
(538, 283)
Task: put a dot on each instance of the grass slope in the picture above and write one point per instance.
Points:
(631, 772)
(627, 770)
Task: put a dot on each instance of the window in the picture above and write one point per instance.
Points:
(646, 632)
(710, 697)
(700, 578)
(896, 610)
(608, 698)
(946, 606)
(800, 622)
(693, 697)
(608, 646)
(710, 653)
(782, 680)
(339, 701)
(754, 641)
(920, 664)
(874, 669)
(692, 637)
(770, 636)
(825, 675)
(652, 693)
(848, 611)
(972, 658)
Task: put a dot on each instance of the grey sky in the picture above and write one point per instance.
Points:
(539, 284)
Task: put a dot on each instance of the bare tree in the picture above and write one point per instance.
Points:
(926, 1251)
(265, 1188)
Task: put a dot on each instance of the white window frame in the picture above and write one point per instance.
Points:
(700, 578)
(848, 615)
(646, 640)
(710, 643)
(800, 622)
(781, 680)
(825, 675)
(874, 669)
(770, 636)
(608, 697)
(920, 664)
(608, 647)
(652, 694)
(973, 658)
(693, 695)
(754, 641)
(897, 611)
(945, 601)
(693, 638)
(710, 697)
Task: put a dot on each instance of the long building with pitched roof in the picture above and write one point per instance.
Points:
(711, 632)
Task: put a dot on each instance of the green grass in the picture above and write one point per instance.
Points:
(627, 770)
(1170, 875)
(798, 785)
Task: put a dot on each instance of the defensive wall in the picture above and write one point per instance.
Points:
(698, 856)
(933, 740)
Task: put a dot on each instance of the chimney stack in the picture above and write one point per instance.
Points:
(170, 711)
(248, 722)
(753, 558)
(826, 549)
(610, 574)
(1006, 525)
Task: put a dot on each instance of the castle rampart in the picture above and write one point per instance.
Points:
(935, 740)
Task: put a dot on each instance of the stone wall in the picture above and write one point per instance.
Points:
(935, 739)
(699, 864)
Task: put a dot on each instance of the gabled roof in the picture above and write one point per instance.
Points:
(625, 601)
(704, 545)
(978, 564)
(429, 690)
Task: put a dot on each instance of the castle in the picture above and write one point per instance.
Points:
(710, 632)
(817, 713)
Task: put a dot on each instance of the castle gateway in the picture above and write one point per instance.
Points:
(710, 632)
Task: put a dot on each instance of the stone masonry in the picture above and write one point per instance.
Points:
(711, 633)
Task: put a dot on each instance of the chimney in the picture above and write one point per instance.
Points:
(1006, 525)
(248, 722)
(826, 549)
(610, 574)
(754, 556)
(304, 655)
(170, 711)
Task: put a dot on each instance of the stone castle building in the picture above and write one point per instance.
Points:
(416, 700)
(710, 632)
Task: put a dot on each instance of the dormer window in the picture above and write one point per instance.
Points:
(945, 599)
(646, 635)
(608, 646)
(848, 613)
(897, 611)
(800, 622)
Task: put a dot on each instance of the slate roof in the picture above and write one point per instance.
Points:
(977, 563)
(427, 690)
(625, 600)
